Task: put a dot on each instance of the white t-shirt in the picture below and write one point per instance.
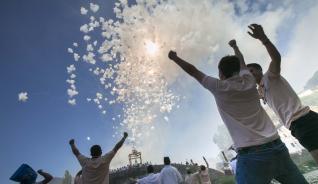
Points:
(96, 170)
(281, 98)
(170, 175)
(150, 179)
(233, 166)
(238, 103)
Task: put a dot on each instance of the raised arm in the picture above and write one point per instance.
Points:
(257, 32)
(238, 53)
(206, 162)
(47, 177)
(74, 148)
(187, 67)
(120, 143)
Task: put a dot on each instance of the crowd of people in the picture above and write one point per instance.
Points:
(261, 155)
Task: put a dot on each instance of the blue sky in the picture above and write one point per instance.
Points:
(35, 36)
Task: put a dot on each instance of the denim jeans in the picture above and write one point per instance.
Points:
(260, 166)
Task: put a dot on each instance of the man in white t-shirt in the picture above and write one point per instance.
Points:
(261, 154)
(151, 178)
(95, 170)
(282, 99)
(170, 174)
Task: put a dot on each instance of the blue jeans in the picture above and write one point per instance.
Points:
(259, 165)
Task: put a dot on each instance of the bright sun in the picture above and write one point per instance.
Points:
(151, 47)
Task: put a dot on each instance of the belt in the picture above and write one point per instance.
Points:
(259, 147)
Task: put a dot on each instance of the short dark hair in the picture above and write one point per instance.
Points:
(202, 167)
(255, 65)
(166, 160)
(96, 151)
(150, 169)
(229, 65)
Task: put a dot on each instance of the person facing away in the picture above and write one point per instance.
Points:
(151, 178)
(261, 154)
(202, 176)
(95, 170)
(47, 178)
(275, 91)
(169, 174)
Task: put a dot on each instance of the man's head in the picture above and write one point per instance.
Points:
(202, 168)
(256, 71)
(150, 169)
(166, 160)
(96, 151)
(228, 67)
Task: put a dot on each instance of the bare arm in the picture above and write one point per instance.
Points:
(120, 143)
(74, 148)
(187, 67)
(238, 53)
(257, 32)
(47, 177)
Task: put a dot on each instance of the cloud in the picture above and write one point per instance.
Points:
(83, 11)
(70, 50)
(76, 57)
(23, 96)
(72, 92)
(70, 69)
(94, 7)
(72, 101)
(86, 38)
(300, 62)
(84, 28)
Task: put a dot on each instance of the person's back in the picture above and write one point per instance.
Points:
(262, 156)
(95, 170)
(239, 106)
(169, 175)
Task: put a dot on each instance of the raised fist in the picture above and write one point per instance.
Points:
(172, 55)
(232, 43)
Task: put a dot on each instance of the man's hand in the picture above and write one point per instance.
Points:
(257, 32)
(125, 134)
(232, 43)
(172, 55)
(72, 142)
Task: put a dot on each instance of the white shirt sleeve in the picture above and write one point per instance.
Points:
(210, 83)
(82, 159)
(109, 156)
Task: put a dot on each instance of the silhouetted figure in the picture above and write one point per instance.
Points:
(95, 170)
(275, 91)
(251, 129)
(170, 174)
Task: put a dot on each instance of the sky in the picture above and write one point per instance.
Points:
(35, 38)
